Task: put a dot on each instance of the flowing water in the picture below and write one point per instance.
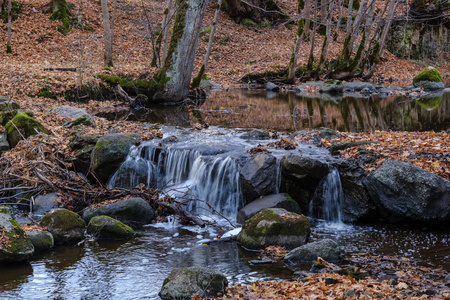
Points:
(203, 165)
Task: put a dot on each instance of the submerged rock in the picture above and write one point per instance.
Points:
(332, 87)
(66, 226)
(104, 227)
(14, 243)
(258, 176)
(275, 227)
(404, 192)
(42, 240)
(109, 152)
(327, 249)
(272, 201)
(134, 212)
(272, 87)
(183, 283)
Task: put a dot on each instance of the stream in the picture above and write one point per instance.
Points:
(137, 268)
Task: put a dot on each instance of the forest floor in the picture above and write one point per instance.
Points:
(37, 44)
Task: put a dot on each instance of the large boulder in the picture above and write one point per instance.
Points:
(429, 79)
(42, 240)
(258, 176)
(109, 153)
(275, 227)
(404, 192)
(83, 145)
(300, 177)
(327, 249)
(22, 126)
(134, 212)
(104, 227)
(183, 283)
(45, 203)
(272, 201)
(14, 242)
(76, 115)
(4, 145)
(66, 226)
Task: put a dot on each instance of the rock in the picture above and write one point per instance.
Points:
(82, 160)
(256, 134)
(272, 87)
(366, 91)
(78, 115)
(332, 87)
(183, 283)
(431, 102)
(324, 133)
(272, 201)
(327, 249)
(104, 227)
(300, 177)
(4, 145)
(7, 104)
(42, 240)
(26, 125)
(134, 212)
(274, 227)
(109, 152)
(357, 86)
(209, 85)
(404, 192)
(131, 173)
(113, 113)
(14, 243)
(429, 79)
(266, 261)
(80, 141)
(66, 226)
(334, 149)
(447, 278)
(351, 294)
(45, 203)
(258, 176)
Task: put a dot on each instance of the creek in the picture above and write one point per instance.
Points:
(202, 165)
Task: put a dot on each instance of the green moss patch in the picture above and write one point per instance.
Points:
(26, 125)
(429, 74)
(105, 227)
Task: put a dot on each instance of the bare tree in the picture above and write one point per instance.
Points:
(165, 28)
(8, 42)
(107, 34)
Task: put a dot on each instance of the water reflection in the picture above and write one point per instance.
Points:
(291, 112)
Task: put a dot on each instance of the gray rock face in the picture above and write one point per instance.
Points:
(65, 226)
(42, 240)
(357, 86)
(4, 145)
(327, 249)
(277, 200)
(275, 227)
(404, 192)
(134, 212)
(45, 203)
(430, 85)
(75, 114)
(109, 152)
(104, 227)
(332, 87)
(258, 176)
(272, 87)
(14, 243)
(183, 283)
(256, 134)
(300, 177)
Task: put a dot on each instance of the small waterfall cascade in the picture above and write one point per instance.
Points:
(201, 180)
(332, 197)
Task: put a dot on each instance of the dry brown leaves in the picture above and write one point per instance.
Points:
(5, 242)
(283, 143)
(273, 252)
(427, 150)
(27, 227)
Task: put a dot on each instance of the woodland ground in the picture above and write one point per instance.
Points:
(37, 44)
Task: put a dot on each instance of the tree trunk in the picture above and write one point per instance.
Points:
(175, 75)
(257, 10)
(165, 28)
(107, 34)
(326, 42)
(8, 43)
(310, 64)
(294, 57)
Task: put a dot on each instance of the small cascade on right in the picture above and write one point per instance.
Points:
(332, 197)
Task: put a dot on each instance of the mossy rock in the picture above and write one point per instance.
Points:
(7, 116)
(256, 134)
(109, 153)
(14, 243)
(430, 103)
(42, 240)
(104, 227)
(429, 79)
(5, 210)
(134, 212)
(275, 227)
(7, 104)
(66, 226)
(183, 283)
(26, 125)
(249, 23)
(334, 149)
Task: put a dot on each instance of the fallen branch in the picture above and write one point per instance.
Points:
(61, 69)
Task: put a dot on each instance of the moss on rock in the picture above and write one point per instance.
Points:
(429, 74)
(66, 226)
(26, 125)
(14, 244)
(104, 227)
(42, 240)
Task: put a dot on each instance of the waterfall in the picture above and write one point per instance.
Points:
(200, 180)
(332, 197)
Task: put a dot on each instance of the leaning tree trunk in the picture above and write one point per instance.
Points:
(8, 43)
(175, 74)
(107, 34)
(294, 56)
